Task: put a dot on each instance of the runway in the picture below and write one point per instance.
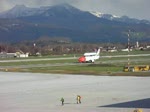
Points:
(30, 92)
(67, 64)
(64, 58)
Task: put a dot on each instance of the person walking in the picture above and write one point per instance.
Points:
(62, 101)
(78, 99)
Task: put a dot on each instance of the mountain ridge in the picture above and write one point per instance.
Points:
(119, 18)
(64, 20)
(22, 11)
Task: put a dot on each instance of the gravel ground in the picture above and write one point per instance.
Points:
(30, 92)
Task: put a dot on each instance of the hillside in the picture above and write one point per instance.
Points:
(24, 23)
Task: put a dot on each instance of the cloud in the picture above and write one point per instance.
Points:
(132, 8)
(7, 4)
(4, 5)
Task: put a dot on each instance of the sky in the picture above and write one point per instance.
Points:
(133, 8)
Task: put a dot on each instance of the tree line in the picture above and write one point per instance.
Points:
(58, 46)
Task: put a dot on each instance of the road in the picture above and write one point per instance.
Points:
(29, 92)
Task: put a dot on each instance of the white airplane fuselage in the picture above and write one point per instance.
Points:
(89, 57)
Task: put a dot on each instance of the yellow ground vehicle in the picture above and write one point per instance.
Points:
(138, 110)
(136, 68)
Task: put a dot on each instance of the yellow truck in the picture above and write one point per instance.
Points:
(136, 68)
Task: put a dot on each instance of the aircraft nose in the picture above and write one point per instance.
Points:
(81, 59)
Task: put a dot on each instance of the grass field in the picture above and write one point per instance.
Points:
(103, 66)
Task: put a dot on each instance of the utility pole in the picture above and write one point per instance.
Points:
(128, 49)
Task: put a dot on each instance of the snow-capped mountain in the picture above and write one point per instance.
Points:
(23, 11)
(24, 23)
(118, 18)
(102, 15)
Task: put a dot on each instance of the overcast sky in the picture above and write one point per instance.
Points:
(132, 8)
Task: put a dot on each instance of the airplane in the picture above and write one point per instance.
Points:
(89, 57)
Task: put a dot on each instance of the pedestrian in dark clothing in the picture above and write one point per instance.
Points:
(62, 100)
